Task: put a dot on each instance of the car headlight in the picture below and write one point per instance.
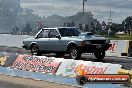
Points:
(107, 41)
(85, 43)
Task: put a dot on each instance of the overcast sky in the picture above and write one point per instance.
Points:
(99, 8)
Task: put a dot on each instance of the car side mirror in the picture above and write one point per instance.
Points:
(58, 36)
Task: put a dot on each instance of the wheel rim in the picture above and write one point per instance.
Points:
(34, 50)
(73, 53)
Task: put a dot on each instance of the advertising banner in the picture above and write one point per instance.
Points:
(71, 68)
(112, 51)
(2, 58)
(11, 57)
(118, 48)
(37, 63)
(67, 67)
(7, 59)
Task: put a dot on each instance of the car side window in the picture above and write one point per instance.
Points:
(44, 33)
(53, 33)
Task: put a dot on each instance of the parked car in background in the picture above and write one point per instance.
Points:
(67, 40)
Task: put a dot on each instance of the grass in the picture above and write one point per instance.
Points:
(120, 37)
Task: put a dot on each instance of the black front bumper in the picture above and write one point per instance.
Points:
(94, 48)
(24, 46)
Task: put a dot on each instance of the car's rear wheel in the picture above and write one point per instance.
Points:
(74, 53)
(100, 55)
(60, 54)
(35, 50)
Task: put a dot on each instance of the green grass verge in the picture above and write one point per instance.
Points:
(119, 37)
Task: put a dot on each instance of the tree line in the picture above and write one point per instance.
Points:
(15, 19)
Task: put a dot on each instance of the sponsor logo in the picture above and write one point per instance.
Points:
(70, 67)
(35, 63)
(2, 60)
(106, 78)
(81, 69)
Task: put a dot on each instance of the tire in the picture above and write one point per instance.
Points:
(100, 55)
(60, 54)
(81, 80)
(35, 50)
(74, 53)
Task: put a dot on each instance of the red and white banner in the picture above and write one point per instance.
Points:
(37, 63)
(71, 68)
(118, 47)
(112, 51)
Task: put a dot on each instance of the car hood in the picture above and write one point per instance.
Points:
(92, 37)
(89, 37)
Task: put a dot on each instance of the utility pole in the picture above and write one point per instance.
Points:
(83, 6)
(110, 22)
(110, 19)
(83, 15)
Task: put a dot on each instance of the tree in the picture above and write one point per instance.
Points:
(68, 24)
(64, 25)
(81, 27)
(128, 22)
(72, 24)
(27, 29)
(9, 9)
(98, 26)
(104, 26)
(86, 27)
(92, 27)
(35, 21)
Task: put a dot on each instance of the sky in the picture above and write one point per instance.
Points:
(100, 9)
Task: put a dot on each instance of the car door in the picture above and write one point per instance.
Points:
(55, 44)
(42, 40)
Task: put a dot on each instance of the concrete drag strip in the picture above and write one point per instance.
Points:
(17, 82)
(71, 82)
(39, 76)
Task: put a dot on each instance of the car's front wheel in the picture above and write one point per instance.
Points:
(100, 55)
(74, 53)
(35, 50)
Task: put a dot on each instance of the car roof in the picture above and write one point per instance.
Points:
(58, 27)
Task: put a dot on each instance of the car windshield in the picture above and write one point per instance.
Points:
(69, 32)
